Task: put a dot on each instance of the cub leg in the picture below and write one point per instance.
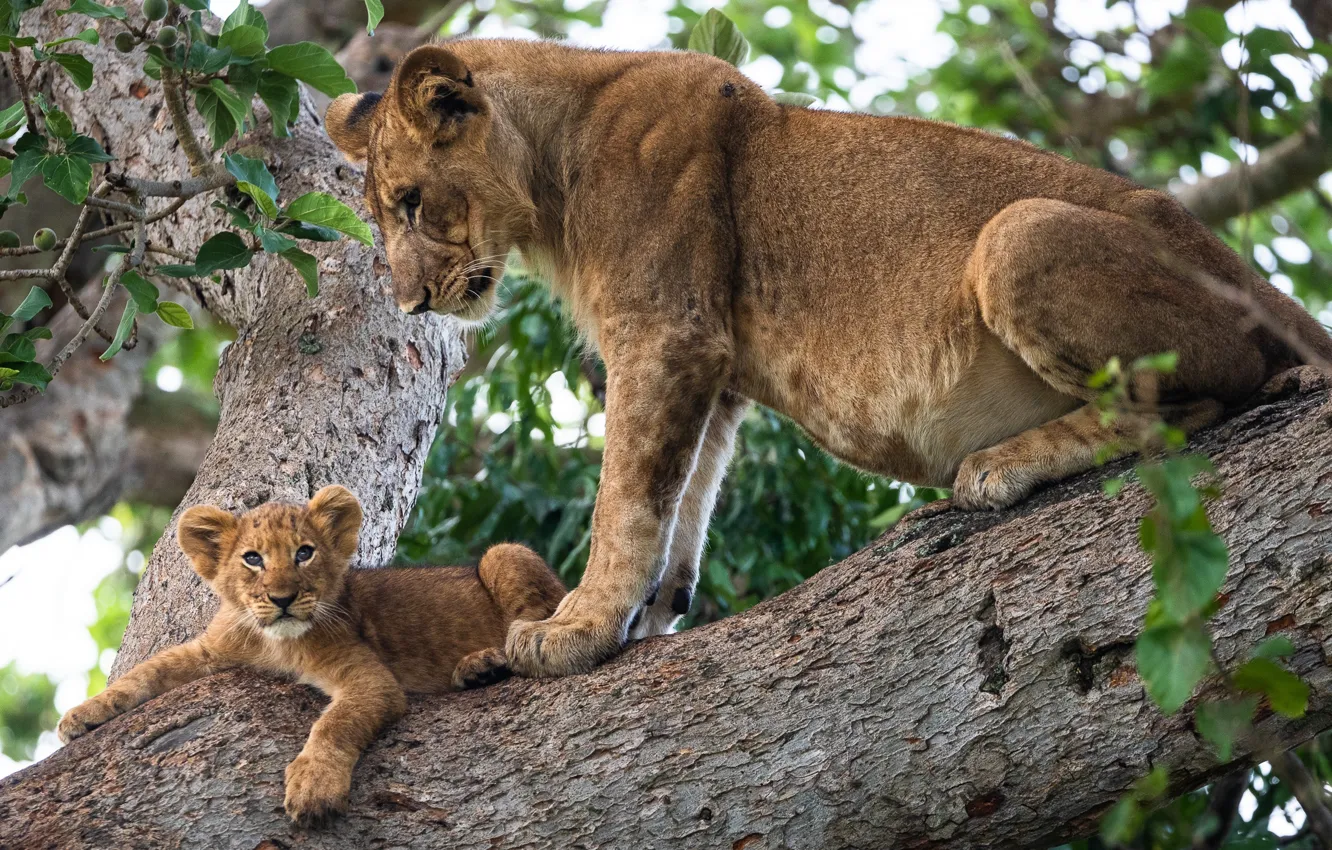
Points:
(366, 698)
(672, 600)
(664, 380)
(165, 671)
(524, 588)
(1067, 287)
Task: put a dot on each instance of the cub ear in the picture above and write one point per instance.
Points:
(336, 513)
(347, 120)
(435, 90)
(202, 533)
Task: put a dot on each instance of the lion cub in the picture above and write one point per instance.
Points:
(290, 606)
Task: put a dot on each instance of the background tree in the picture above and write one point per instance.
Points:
(1159, 98)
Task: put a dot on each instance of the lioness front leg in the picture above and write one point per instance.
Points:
(661, 391)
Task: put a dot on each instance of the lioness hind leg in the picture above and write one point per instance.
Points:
(1002, 475)
(1067, 288)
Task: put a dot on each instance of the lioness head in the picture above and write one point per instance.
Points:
(282, 564)
(430, 182)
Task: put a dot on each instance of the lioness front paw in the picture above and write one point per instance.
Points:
(83, 718)
(571, 641)
(985, 481)
(317, 789)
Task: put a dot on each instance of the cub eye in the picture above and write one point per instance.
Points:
(411, 202)
(254, 559)
(304, 554)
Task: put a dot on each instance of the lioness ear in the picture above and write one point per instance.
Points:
(202, 533)
(435, 90)
(338, 515)
(347, 120)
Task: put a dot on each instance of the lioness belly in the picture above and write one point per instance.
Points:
(912, 415)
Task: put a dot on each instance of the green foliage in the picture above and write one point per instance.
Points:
(27, 708)
(717, 36)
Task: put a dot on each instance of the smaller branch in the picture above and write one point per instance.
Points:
(154, 248)
(186, 188)
(112, 230)
(1223, 802)
(180, 120)
(67, 256)
(1290, 770)
(15, 67)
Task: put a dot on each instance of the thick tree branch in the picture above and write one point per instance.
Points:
(966, 681)
(1290, 165)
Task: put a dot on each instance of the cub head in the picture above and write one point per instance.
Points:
(284, 565)
(431, 183)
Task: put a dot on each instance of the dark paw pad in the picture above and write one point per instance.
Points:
(682, 600)
(489, 676)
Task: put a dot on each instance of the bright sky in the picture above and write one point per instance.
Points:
(47, 606)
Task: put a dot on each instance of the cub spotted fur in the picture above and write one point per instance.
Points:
(291, 607)
(926, 301)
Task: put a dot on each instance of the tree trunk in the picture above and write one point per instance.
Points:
(340, 388)
(966, 681)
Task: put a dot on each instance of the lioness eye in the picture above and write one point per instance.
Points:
(411, 201)
(304, 553)
(254, 559)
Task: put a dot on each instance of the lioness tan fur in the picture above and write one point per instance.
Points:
(291, 607)
(926, 301)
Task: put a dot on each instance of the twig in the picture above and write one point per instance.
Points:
(1223, 802)
(1290, 770)
(180, 120)
(67, 256)
(98, 234)
(186, 188)
(16, 73)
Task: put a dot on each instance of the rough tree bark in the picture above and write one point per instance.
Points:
(965, 682)
(339, 388)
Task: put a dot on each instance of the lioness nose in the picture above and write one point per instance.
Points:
(281, 601)
(420, 308)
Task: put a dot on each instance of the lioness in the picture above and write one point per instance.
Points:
(291, 607)
(926, 301)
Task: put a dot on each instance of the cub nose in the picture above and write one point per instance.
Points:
(281, 601)
(420, 308)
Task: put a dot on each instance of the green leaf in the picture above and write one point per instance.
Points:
(59, 124)
(8, 42)
(143, 292)
(176, 270)
(67, 176)
(122, 330)
(175, 315)
(245, 15)
(313, 65)
(12, 119)
(1189, 565)
(34, 374)
(94, 10)
(246, 40)
(261, 198)
(717, 35)
(1186, 64)
(33, 303)
(374, 14)
(80, 70)
(1122, 823)
(1288, 694)
(37, 333)
(307, 265)
(224, 250)
(1211, 23)
(19, 347)
(313, 232)
(7, 377)
(253, 173)
(230, 100)
(325, 211)
(1220, 723)
(274, 242)
(207, 59)
(217, 116)
(281, 94)
(88, 36)
(239, 217)
(87, 150)
(1277, 646)
(1163, 363)
(1172, 659)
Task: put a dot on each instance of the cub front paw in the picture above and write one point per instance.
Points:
(572, 641)
(481, 668)
(317, 789)
(986, 482)
(82, 719)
